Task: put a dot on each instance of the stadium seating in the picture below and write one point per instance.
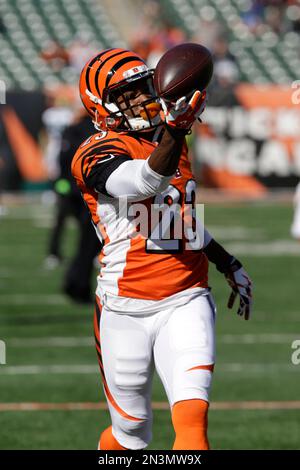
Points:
(30, 26)
(265, 58)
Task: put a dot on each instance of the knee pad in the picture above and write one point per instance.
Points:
(191, 382)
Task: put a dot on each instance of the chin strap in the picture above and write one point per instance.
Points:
(139, 123)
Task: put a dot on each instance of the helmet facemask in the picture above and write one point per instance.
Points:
(137, 117)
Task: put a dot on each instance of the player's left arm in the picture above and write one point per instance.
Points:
(234, 273)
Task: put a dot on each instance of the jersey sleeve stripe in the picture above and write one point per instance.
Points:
(96, 145)
(93, 161)
(97, 176)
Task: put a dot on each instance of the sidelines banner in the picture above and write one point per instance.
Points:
(251, 142)
(23, 139)
(20, 153)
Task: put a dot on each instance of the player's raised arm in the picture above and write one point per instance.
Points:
(179, 118)
(114, 173)
(139, 179)
(127, 101)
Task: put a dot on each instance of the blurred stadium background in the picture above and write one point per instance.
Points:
(246, 158)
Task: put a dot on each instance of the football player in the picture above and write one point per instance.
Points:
(154, 308)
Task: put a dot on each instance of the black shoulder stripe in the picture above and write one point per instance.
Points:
(114, 139)
(99, 174)
(100, 161)
(103, 150)
(96, 144)
(82, 154)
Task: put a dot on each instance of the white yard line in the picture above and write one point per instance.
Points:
(49, 369)
(161, 406)
(16, 273)
(54, 341)
(260, 338)
(33, 299)
(66, 369)
(267, 248)
(237, 232)
(256, 368)
(88, 341)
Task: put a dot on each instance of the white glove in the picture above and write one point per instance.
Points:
(183, 113)
(241, 285)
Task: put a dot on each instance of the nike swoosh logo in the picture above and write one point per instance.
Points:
(105, 159)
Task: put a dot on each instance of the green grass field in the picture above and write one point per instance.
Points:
(51, 357)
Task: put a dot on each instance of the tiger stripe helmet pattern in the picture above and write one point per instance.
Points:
(104, 78)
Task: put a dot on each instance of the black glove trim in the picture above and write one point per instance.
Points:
(221, 258)
(177, 132)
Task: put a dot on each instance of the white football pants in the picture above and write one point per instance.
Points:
(177, 340)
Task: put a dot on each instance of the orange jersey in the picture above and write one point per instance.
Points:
(136, 266)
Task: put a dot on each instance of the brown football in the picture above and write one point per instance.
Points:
(183, 69)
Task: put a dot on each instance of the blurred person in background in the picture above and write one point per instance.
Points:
(295, 228)
(221, 50)
(2, 207)
(226, 76)
(272, 15)
(73, 56)
(79, 52)
(55, 55)
(209, 31)
(2, 27)
(77, 279)
(58, 115)
(155, 34)
(56, 118)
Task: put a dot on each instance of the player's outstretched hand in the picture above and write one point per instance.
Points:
(183, 113)
(241, 286)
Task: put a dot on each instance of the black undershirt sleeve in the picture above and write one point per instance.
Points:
(218, 255)
(102, 168)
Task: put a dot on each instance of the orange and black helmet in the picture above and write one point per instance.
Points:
(103, 81)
